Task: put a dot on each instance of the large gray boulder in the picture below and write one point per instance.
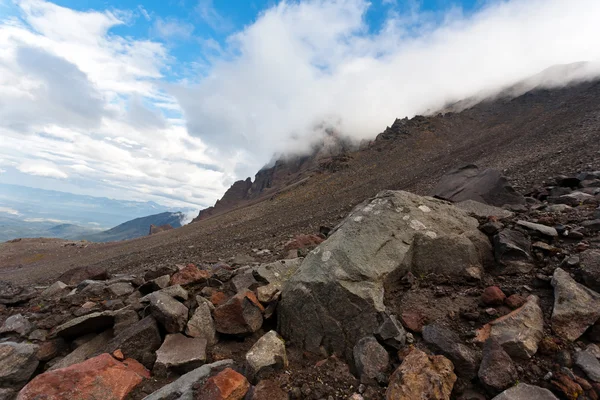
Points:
(18, 362)
(335, 297)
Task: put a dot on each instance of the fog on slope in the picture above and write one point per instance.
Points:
(315, 63)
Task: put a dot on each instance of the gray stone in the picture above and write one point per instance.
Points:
(590, 268)
(465, 359)
(17, 324)
(182, 388)
(139, 341)
(572, 199)
(519, 332)
(124, 318)
(57, 289)
(267, 293)
(91, 323)
(85, 351)
(179, 354)
(576, 307)
(592, 225)
(162, 271)
(202, 325)
(278, 272)
(334, 297)
(170, 313)
(39, 335)
(543, 229)
(155, 284)
(11, 294)
(524, 391)
(391, 332)
(241, 314)
(121, 289)
(482, 210)
(7, 394)
(512, 251)
(497, 370)
(204, 300)
(18, 362)
(243, 281)
(175, 291)
(588, 362)
(371, 359)
(267, 352)
(558, 208)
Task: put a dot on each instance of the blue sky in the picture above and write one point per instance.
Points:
(174, 100)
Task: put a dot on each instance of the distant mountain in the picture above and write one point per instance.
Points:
(136, 228)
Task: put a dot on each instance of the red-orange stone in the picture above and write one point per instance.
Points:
(189, 274)
(226, 385)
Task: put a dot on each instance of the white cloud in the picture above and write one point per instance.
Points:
(42, 168)
(8, 210)
(209, 14)
(171, 28)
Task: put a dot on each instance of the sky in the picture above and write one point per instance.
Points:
(173, 100)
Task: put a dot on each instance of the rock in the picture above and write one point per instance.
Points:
(422, 377)
(17, 324)
(12, 294)
(334, 297)
(278, 272)
(268, 390)
(566, 385)
(190, 274)
(226, 385)
(572, 199)
(124, 318)
(244, 281)
(155, 284)
(515, 301)
(589, 364)
(7, 394)
(576, 307)
(18, 362)
(101, 377)
(121, 289)
(391, 332)
(139, 341)
(512, 250)
(202, 325)
(486, 186)
(38, 335)
(90, 323)
(242, 259)
(493, 296)
(497, 370)
(558, 208)
(57, 289)
(267, 353)
(590, 268)
(182, 388)
(482, 210)
(491, 228)
(168, 312)
(371, 359)
(179, 354)
(413, 321)
(543, 229)
(519, 332)
(449, 344)
(268, 293)
(85, 351)
(49, 349)
(524, 391)
(76, 275)
(175, 291)
(239, 315)
(592, 225)
(162, 271)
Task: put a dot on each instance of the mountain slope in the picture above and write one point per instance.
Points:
(534, 136)
(136, 228)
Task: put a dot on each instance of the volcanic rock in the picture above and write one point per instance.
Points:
(391, 332)
(18, 362)
(90, 323)
(244, 280)
(512, 250)
(57, 289)
(543, 229)
(371, 359)
(449, 344)
(590, 271)
(11, 294)
(226, 385)
(179, 354)
(497, 370)
(85, 351)
(18, 324)
(202, 325)
(76, 275)
(483, 210)
(170, 313)
(524, 391)
(589, 364)
(190, 274)
(493, 296)
(241, 314)
(267, 352)
(139, 341)
(278, 272)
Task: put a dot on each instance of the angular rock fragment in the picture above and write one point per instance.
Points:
(139, 341)
(75, 275)
(497, 370)
(90, 323)
(465, 359)
(267, 352)
(524, 391)
(179, 354)
(170, 313)
(512, 250)
(371, 359)
(226, 385)
(17, 324)
(202, 325)
(18, 362)
(241, 314)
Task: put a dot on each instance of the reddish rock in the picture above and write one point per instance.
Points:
(570, 389)
(50, 349)
(189, 274)
(241, 314)
(218, 298)
(515, 301)
(118, 354)
(303, 242)
(413, 321)
(493, 296)
(269, 390)
(227, 385)
(101, 377)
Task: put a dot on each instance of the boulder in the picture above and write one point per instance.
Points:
(267, 352)
(18, 362)
(175, 291)
(497, 370)
(179, 354)
(241, 314)
(11, 294)
(190, 274)
(334, 297)
(75, 275)
(588, 362)
(202, 325)
(512, 251)
(90, 323)
(124, 318)
(57, 289)
(465, 359)
(121, 289)
(590, 268)
(226, 385)
(17, 324)
(576, 307)
(370, 359)
(422, 377)
(7, 394)
(524, 391)
(139, 341)
(391, 332)
(543, 229)
(170, 313)
(486, 186)
(155, 284)
(519, 332)
(482, 210)
(85, 351)
(182, 388)
(243, 281)
(278, 272)
(101, 377)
